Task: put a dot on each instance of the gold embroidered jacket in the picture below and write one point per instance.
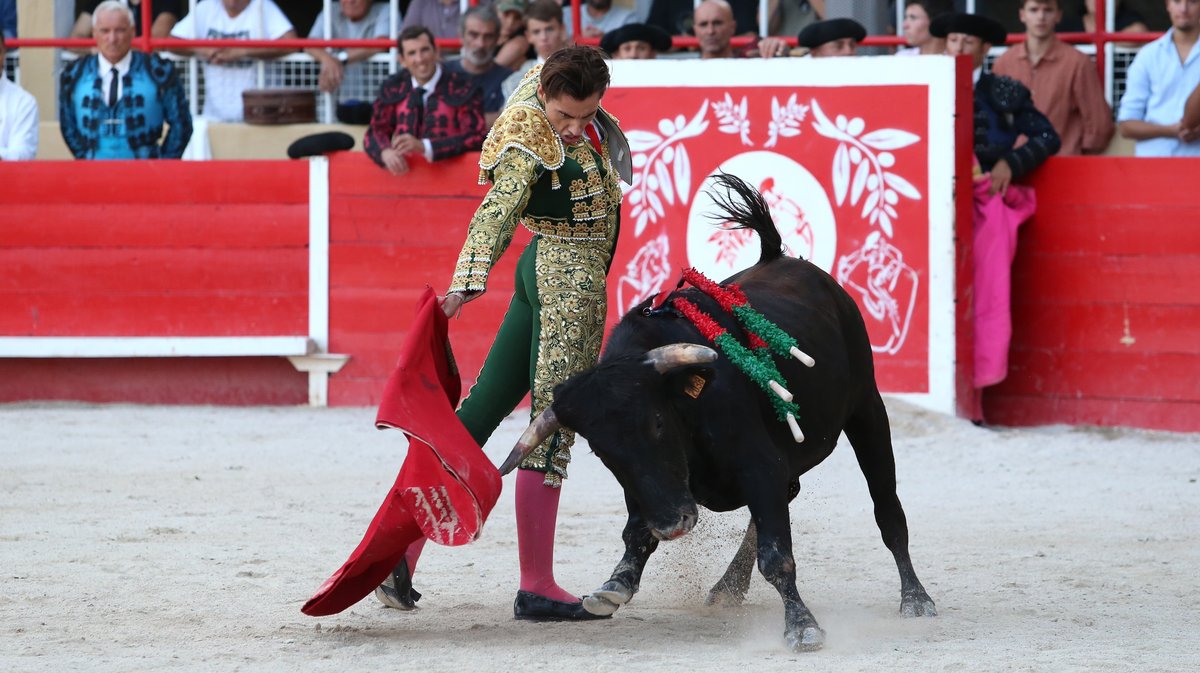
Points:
(563, 193)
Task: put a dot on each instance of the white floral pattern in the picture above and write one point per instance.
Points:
(653, 181)
(856, 153)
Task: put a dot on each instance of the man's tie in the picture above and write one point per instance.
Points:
(593, 137)
(418, 106)
(112, 89)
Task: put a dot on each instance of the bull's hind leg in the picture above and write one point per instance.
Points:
(870, 435)
(731, 589)
(627, 576)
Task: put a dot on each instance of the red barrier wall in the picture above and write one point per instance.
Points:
(389, 238)
(1106, 299)
(162, 248)
(1105, 295)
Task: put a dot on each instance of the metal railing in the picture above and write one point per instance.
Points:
(301, 71)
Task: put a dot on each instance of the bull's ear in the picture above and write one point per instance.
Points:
(690, 382)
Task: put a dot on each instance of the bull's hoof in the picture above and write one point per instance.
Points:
(808, 639)
(917, 606)
(614, 592)
(599, 606)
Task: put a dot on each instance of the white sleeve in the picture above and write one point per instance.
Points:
(24, 143)
(318, 28)
(184, 27)
(383, 24)
(275, 22)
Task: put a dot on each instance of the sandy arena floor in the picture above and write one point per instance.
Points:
(168, 538)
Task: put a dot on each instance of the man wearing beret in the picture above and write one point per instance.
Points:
(1004, 108)
(636, 41)
(831, 37)
(1004, 111)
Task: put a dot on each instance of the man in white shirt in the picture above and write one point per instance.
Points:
(18, 118)
(1163, 75)
(229, 71)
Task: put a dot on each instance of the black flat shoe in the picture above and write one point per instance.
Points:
(537, 608)
(396, 591)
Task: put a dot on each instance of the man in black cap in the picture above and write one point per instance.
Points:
(1004, 108)
(831, 37)
(1004, 111)
(635, 41)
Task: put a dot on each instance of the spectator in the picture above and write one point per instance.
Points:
(1063, 82)
(917, 16)
(479, 33)
(789, 17)
(545, 31)
(714, 25)
(18, 118)
(597, 17)
(512, 46)
(113, 104)
(1004, 108)
(677, 17)
(423, 110)
(1004, 112)
(1126, 20)
(346, 72)
(1162, 76)
(441, 17)
(832, 37)
(229, 71)
(8, 20)
(166, 14)
(636, 41)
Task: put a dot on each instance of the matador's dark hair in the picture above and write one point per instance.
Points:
(576, 71)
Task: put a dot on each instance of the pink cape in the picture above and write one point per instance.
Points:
(446, 486)
(996, 222)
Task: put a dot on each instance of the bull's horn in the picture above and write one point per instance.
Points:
(666, 358)
(542, 427)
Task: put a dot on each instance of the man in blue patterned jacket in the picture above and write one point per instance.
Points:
(424, 110)
(113, 105)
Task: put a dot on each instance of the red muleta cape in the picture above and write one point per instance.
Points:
(446, 486)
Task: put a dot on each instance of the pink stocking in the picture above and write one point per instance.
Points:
(537, 514)
(413, 553)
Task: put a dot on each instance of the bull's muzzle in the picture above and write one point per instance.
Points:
(687, 521)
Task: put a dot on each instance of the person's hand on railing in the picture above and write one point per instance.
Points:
(773, 47)
(407, 143)
(394, 161)
(331, 75)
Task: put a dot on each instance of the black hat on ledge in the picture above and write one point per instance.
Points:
(819, 32)
(988, 30)
(636, 32)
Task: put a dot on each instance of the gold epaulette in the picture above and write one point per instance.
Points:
(523, 126)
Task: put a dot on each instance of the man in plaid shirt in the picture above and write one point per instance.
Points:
(423, 110)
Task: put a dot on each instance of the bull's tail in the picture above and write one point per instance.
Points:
(743, 207)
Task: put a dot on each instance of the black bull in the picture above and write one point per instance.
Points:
(679, 426)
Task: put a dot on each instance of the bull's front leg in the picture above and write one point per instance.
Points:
(777, 565)
(627, 576)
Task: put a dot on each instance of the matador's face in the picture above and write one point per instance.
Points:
(570, 116)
